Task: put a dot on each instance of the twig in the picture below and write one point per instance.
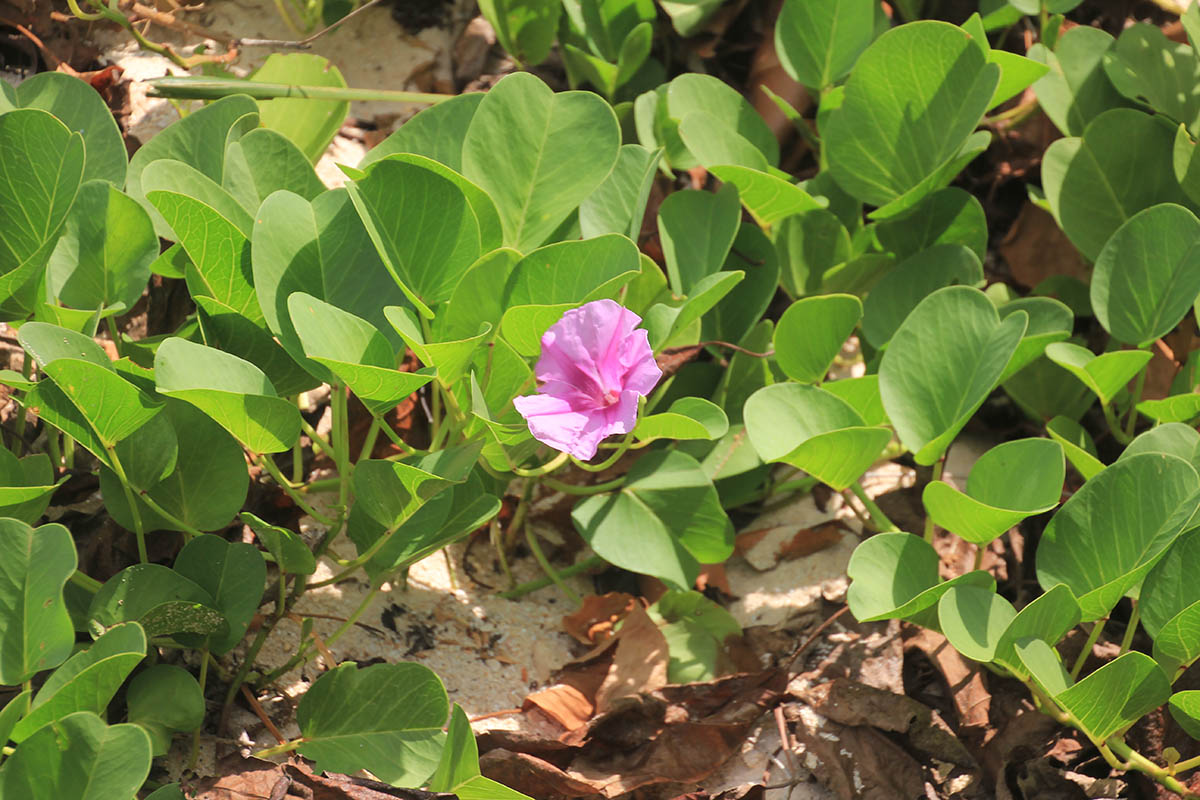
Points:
(262, 714)
(812, 637)
(58, 63)
(671, 351)
(306, 43)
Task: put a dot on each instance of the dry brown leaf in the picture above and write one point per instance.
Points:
(714, 576)
(240, 779)
(564, 704)
(763, 548)
(1036, 248)
(594, 620)
(971, 698)
(639, 660)
(858, 763)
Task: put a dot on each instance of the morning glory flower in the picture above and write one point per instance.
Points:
(594, 366)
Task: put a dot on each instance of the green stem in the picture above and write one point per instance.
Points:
(114, 334)
(1138, 388)
(279, 749)
(1093, 637)
(134, 512)
(369, 442)
(85, 582)
(575, 489)
(590, 563)
(1184, 766)
(267, 463)
(240, 677)
(216, 88)
(621, 450)
(319, 442)
(548, 467)
(1114, 425)
(1136, 760)
(194, 753)
(548, 568)
(404, 446)
(1131, 628)
(297, 463)
(937, 475)
(882, 523)
(53, 449)
(352, 565)
(353, 618)
(341, 446)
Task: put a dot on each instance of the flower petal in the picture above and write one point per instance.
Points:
(555, 422)
(586, 348)
(641, 373)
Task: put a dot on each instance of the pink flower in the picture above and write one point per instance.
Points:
(593, 369)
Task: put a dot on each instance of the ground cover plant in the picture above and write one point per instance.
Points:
(508, 298)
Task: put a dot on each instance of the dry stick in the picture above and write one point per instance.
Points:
(671, 351)
(261, 713)
(59, 64)
(812, 637)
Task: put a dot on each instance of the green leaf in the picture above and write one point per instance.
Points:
(1048, 618)
(911, 103)
(732, 318)
(1016, 74)
(689, 16)
(861, 394)
(1076, 90)
(713, 143)
(1049, 321)
(665, 322)
(111, 407)
(205, 489)
(1044, 390)
(386, 718)
(34, 200)
(573, 272)
(696, 630)
(811, 333)
(10, 712)
(768, 198)
(704, 94)
(449, 358)
(491, 232)
(320, 248)
(618, 204)
(1173, 439)
(1149, 68)
(165, 699)
(812, 430)
(426, 258)
(354, 351)
(392, 492)
(1043, 664)
(26, 485)
(901, 290)
(1148, 274)
(161, 599)
(697, 229)
(290, 552)
(947, 216)
(1077, 444)
(994, 502)
(78, 757)
(263, 162)
(687, 418)
(974, 620)
(1112, 698)
(1108, 535)
(235, 393)
(436, 132)
(87, 681)
(1177, 645)
(1177, 408)
(560, 148)
(479, 297)
(818, 42)
(460, 757)
(311, 124)
(74, 103)
(234, 574)
(895, 575)
(35, 631)
(225, 329)
(1104, 374)
(671, 502)
(523, 326)
(198, 140)
(810, 244)
(104, 254)
(1185, 709)
(1187, 164)
(1122, 165)
(930, 390)
(525, 28)
(1170, 586)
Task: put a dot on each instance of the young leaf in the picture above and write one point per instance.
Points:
(740, 310)
(35, 630)
(618, 204)
(1185, 709)
(1177, 645)
(479, 297)
(931, 389)
(458, 769)
(1148, 274)
(449, 358)
(386, 718)
(1104, 374)
(994, 502)
(818, 41)
(165, 699)
(810, 244)
(290, 552)
(911, 103)
(561, 147)
(895, 575)
(525, 28)
(704, 94)
(1108, 535)
(1047, 618)
(1077, 444)
(1049, 321)
(811, 333)
(669, 499)
(767, 197)
(264, 162)
(80, 757)
(87, 680)
(687, 418)
(235, 393)
(310, 123)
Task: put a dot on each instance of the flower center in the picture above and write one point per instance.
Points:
(610, 398)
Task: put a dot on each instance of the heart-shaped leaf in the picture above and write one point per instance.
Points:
(290, 552)
(1077, 445)
(819, 41)
(80, 757)
(1148, 274)
(767, 197)
(162, 700)
(894, 297)
(35, 629)
(810, 334)
(1049, 321)
(697, 229)
(895, 575)
(810, 245)
(1170, 587)
(1177, 645)
(618, 204)
(436, 132)
(235, 393)
(1176, 408)
(449, 358)
(26, 485)
(929, 388)
(1104, 374)
(87, 680)
(911, 103)
(687, 418)
(1047, 618)
(386, 718)
(947, 216)
(1173, 439)
(1108, 535)
(234, 575)
(994, 502)
(1149, 68)
(161, 599)
(1185, 709)
(1076, 90)
(264, 162)
(310, 123)
(561, 147)
(1115, 696)
(974, 619)
(76, 104)
(669, 499)
(813, 430)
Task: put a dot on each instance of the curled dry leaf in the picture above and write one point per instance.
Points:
(594, 621)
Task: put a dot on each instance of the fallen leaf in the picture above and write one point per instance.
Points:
(965, 681)
(594, 620)
(639, 662)
(857, 763)
(1036, 248)
(564, 704)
